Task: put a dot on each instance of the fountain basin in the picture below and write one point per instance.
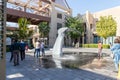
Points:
(69, 60)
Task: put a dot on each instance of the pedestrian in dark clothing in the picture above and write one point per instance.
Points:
(34, 52)
(42, 48)
(11, 50)
(22, 49)
(16, 49)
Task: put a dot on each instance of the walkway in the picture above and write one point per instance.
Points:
(29, 69)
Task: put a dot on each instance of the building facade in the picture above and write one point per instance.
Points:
(58, 12)
(92, 18)
(51, 11)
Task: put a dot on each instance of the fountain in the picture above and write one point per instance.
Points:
(69, 59)
(57, 49)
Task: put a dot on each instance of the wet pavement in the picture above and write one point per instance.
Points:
(32, 68)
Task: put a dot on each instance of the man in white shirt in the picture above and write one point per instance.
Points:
(37, 49)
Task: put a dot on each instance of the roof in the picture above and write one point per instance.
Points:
(13, 16)
(62, 3)
(12, 28)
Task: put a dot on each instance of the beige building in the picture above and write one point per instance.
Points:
(91, 18)
(51, 11)
(58, 12)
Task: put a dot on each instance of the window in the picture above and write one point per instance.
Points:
(59, 25)
(59, 15)
(90, 26)
(85, 29)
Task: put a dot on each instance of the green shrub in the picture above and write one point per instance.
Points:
(106, 46)
(81, 45)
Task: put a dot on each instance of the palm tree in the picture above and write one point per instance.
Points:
(43, 29)
(24, 32)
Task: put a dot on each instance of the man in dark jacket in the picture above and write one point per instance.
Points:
(16, 49)
(22, 49)
(11, 50)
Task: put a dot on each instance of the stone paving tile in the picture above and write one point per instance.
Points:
(31, 70)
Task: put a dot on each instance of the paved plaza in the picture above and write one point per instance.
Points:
(30, 69)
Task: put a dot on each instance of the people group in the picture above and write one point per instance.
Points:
(17, 48)
(39, 47)
(115, 48)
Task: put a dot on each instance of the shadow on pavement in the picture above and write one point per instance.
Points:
(33, 69)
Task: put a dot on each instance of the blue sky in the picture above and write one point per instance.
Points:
(81, 6)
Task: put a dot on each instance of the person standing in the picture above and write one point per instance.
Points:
(42, 48)
(37, 49)
(99, 49)
(22, 49)
(16, 49)
(116, 52)
(110, 44)
(11, 50)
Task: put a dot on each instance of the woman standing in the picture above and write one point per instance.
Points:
(116, 52)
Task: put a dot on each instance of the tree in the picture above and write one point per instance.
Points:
(43, 29)
(24, 32)
(75, 25)
(106, 27)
